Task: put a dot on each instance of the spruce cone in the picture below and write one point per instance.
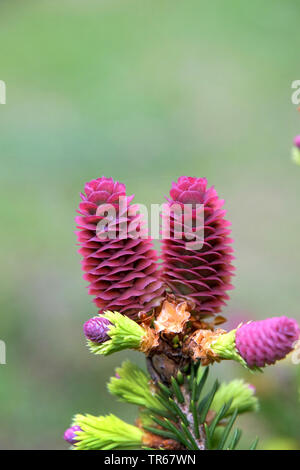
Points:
(122, 270)
(201, 272)
(266, 341)
(70, 434)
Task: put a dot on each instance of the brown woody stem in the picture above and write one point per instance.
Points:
(162, 367)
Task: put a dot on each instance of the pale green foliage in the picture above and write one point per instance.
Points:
(106, 433)
(224, 347)
(145, 417)
(176, 411)
(123, 332)
(296, 155)
(239, 393)
(134, 386)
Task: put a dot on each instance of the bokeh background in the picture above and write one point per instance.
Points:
(144, 92)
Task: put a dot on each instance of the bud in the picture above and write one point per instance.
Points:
(121, 333)
(132, 385)
(120, 267)
(224, 346)
(258, 343)
(70, 434)
(297, 141)
(96, 329)
(242, 396)
(200, 273)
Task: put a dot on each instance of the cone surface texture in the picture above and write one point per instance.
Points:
(120, 266)
(201, 270)
(96, 329)
(70, 434)
(266, 341)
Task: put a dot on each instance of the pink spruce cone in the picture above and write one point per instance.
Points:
(70, 434)
(203, 274)
(297, 141)
(96, 329)
(266, 341)
(122, 271)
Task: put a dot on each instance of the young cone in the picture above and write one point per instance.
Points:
(70, 435)
(264, 342)
(200, 271)
(96, 329)
(258, 343)
(119, 262)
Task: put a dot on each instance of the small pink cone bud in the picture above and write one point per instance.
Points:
(96, 329)
(297, 141)
(70, 434)
(264, 342)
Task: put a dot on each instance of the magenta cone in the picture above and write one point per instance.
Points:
(204, 275)
(70, 434)
(266, 341)
(122, 270)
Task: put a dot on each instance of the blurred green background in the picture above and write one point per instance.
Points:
(143, 91)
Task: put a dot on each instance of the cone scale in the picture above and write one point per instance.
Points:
(264, 342)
